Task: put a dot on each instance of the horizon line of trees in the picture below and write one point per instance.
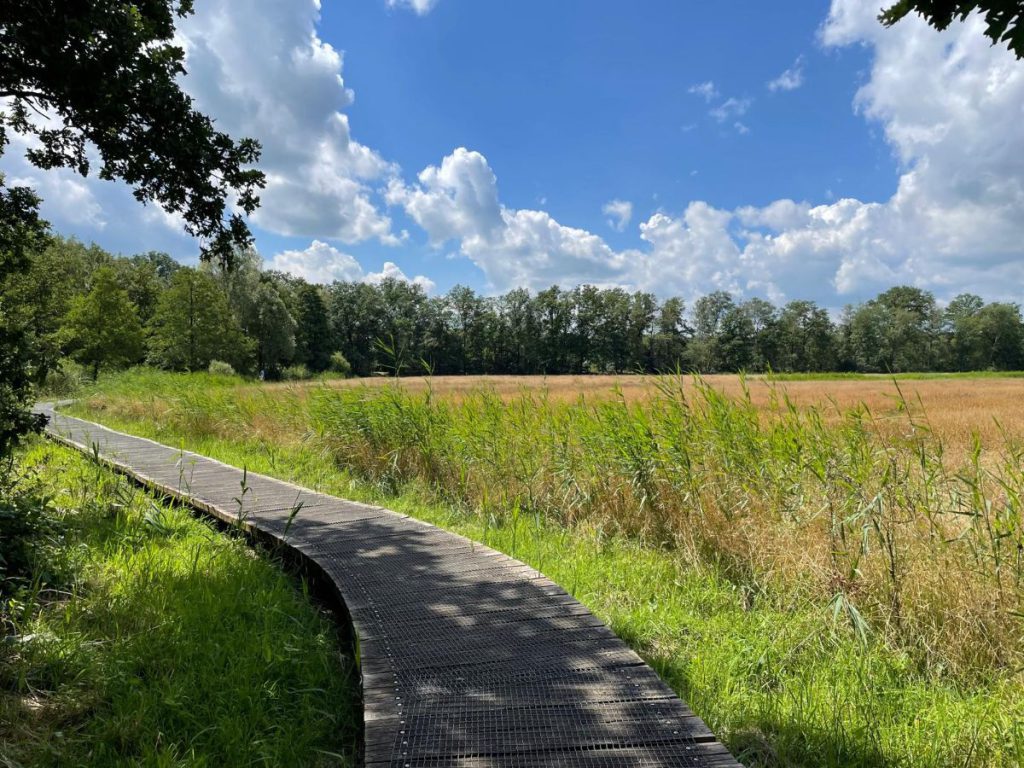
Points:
(109, 312)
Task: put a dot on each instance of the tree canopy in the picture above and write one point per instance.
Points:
(104, 73)
(193, 325)
(1004, 19)
(22, 233)
(103, 327)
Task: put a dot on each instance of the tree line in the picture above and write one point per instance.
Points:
(109, 312)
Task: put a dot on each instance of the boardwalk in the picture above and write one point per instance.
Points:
(468, 657)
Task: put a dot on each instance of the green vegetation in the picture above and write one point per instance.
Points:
(265, 322)
(824, 589)
(106, 76)
(134, 634)
(22, 361)
(192, 325)
(98, 82)
(103, 328)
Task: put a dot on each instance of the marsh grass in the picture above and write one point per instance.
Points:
(872, 520)
(825, 587)
(146, 637)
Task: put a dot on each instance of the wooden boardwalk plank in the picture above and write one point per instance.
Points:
(468, 657)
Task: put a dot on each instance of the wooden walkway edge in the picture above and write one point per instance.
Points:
(468, 657)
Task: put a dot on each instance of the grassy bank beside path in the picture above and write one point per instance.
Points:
(140, 635)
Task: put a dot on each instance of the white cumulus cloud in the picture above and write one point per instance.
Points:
(323, 263)
(319, 263)
(949, 104)
(420, 7)
(262, 71)
(458, 200)
(790, 79)
(391, 271)
(619, 213)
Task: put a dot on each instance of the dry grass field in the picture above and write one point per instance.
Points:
(955, 408)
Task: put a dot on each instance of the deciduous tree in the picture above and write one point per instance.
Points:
(105, 74)
(100, 78)
(312, 329)
(22, 232)
(102, 328)
(272, 328)
(709, 313)
(193, 325)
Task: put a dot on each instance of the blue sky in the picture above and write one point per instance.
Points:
(786, 150)
(580, 102)
(577, 103)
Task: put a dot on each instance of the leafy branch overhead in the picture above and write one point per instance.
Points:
(1004, 19)
(105, 73)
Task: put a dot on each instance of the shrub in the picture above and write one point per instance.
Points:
(63, 381)
(338, 364)
(297, 372)
(220, 368)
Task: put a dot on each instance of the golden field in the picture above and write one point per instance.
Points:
(955, 408)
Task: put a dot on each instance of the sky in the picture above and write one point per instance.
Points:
(788, 150)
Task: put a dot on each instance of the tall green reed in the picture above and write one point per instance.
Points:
(868, 513)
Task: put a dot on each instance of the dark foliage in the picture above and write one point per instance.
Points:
(24, 527)
(263, 321)
(107, 70)
(103, 74)
(21, 233)
(1004, 19)
(312, 329)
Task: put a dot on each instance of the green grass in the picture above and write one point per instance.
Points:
(72, 382)
(778, 670)
(146, 637)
